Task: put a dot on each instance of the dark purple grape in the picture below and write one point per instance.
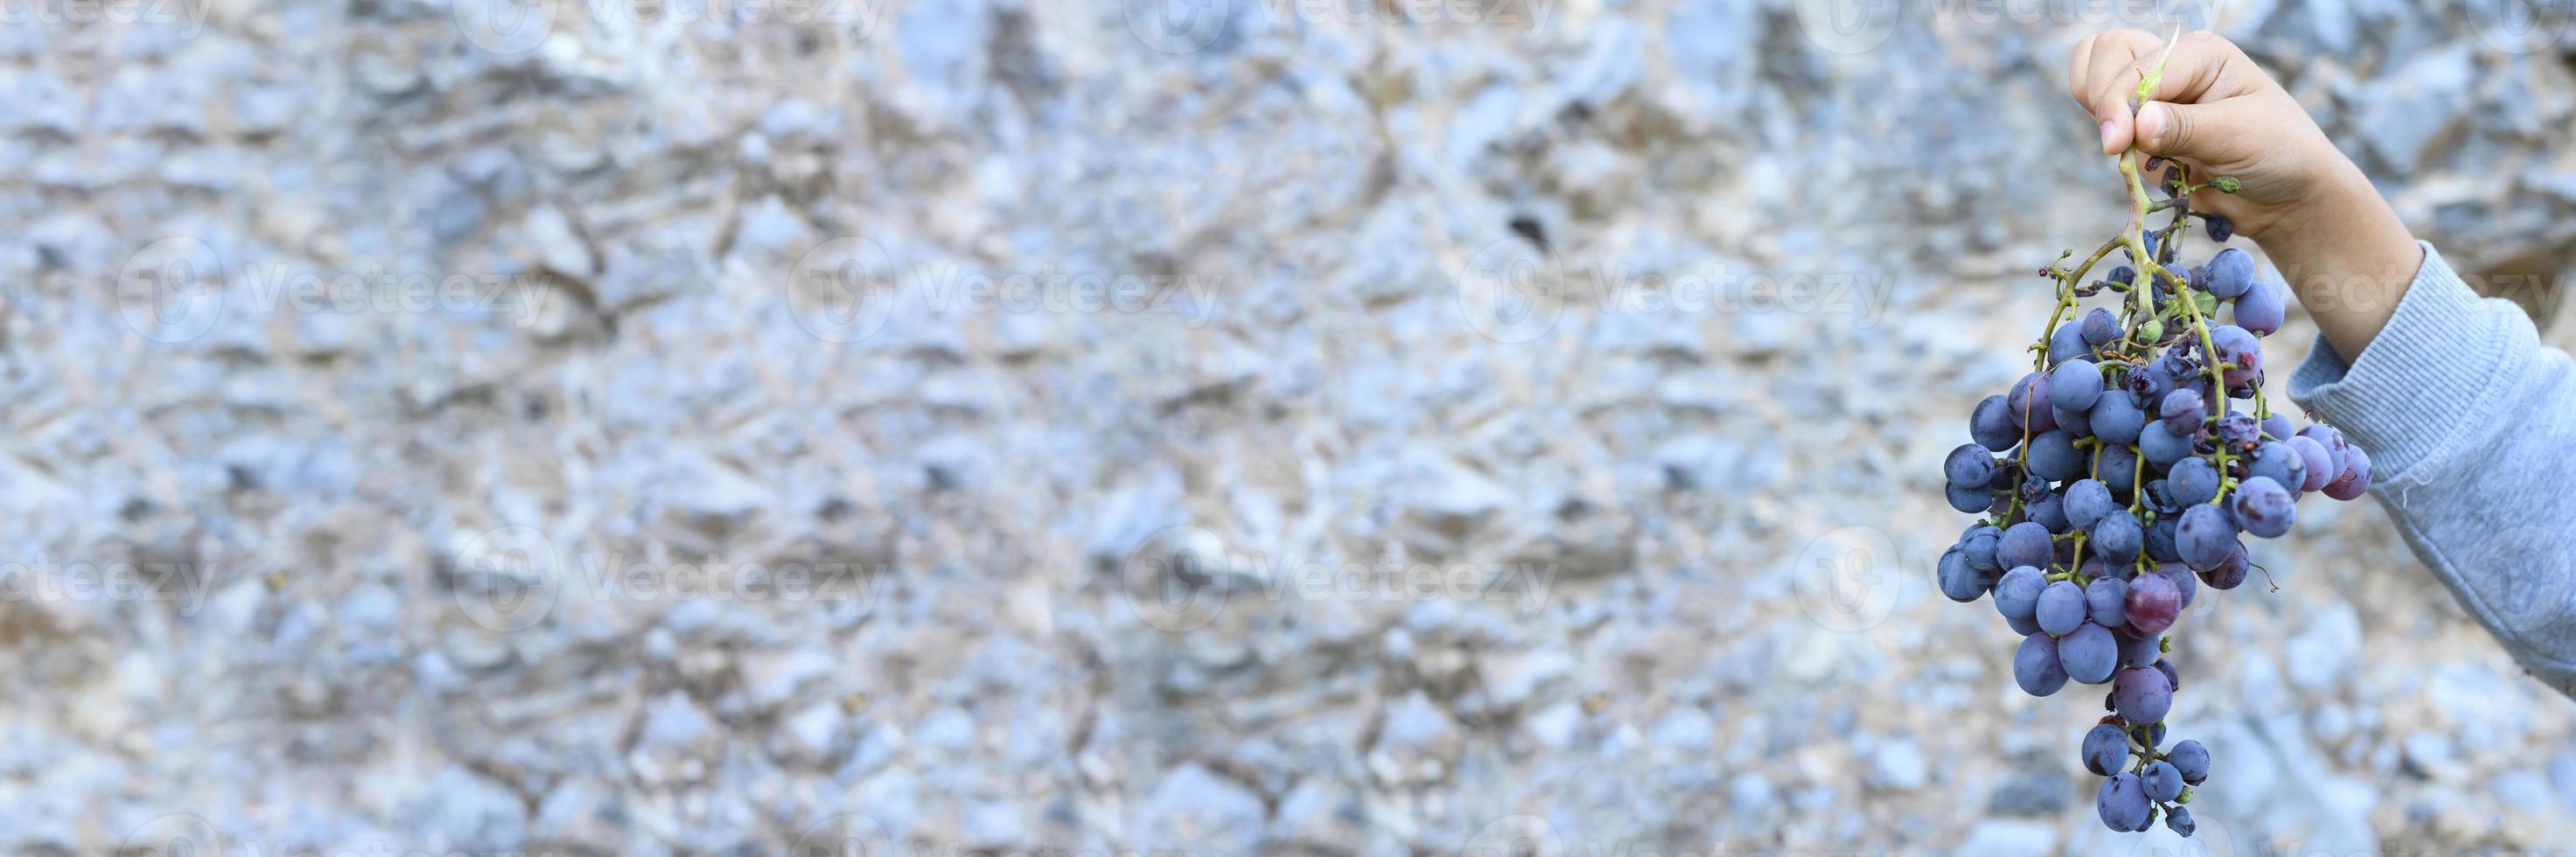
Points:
(2035, 666)
(2087, 500)
(1960, 581)
(1969, 464)
(2152, 604)
(2276, 427)
(1979, 545)
(2230, 573)
(2089, 653)
(1991, 425)
(2077, 423)
(2160, 540)
(2106, 600)
(2231, 272)
(2116, 418)
(2053, 456)
(2162, 446)
(2354, 477)
(2118, 537)
(2118, 467)
(2263, 507)
(2240, 350)
(2100, 327)
(2178, 820)
(2122, 803)
(2162, 781)
(2017, 592)
(2185, 585)
(2022, 627)
(2282, 463)
(2147, 385)
(2327, 435)
(1969, 500)
(2182, 411)
(2060, 608)
(2239, 431)
(2192, 481)
(2025, 543)
(2067, 343)
(2139, 694)
(2142, 649)
(2261, 309)
(2028, 398)
(2074, 384)
(2220, 229)
(2191, 760)
(2106, 749)
(2317, 466)
(2050, 512)
(2205, 536)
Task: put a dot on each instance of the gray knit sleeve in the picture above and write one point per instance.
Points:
(2471, 428)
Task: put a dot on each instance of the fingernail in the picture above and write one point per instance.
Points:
(2151, 126)
(2108, 144)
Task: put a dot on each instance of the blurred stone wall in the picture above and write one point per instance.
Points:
(1002, 425)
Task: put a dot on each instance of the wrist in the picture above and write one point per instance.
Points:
(2346, 256)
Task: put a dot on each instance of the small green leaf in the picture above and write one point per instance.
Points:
(2208, 303)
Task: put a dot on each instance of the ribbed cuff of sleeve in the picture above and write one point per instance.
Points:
(2436, 367)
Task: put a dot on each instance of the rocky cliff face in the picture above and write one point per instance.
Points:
(978, 424)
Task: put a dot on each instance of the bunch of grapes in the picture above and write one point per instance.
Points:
(2132, 458)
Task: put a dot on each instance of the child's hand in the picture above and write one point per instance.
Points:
(2344, 251)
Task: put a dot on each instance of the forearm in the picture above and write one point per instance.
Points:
(2469, 420)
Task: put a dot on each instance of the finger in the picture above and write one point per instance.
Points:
(2109, 76)
(2200, 132)
(2203, 67)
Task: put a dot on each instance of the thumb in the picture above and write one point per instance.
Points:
(2200, 132)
